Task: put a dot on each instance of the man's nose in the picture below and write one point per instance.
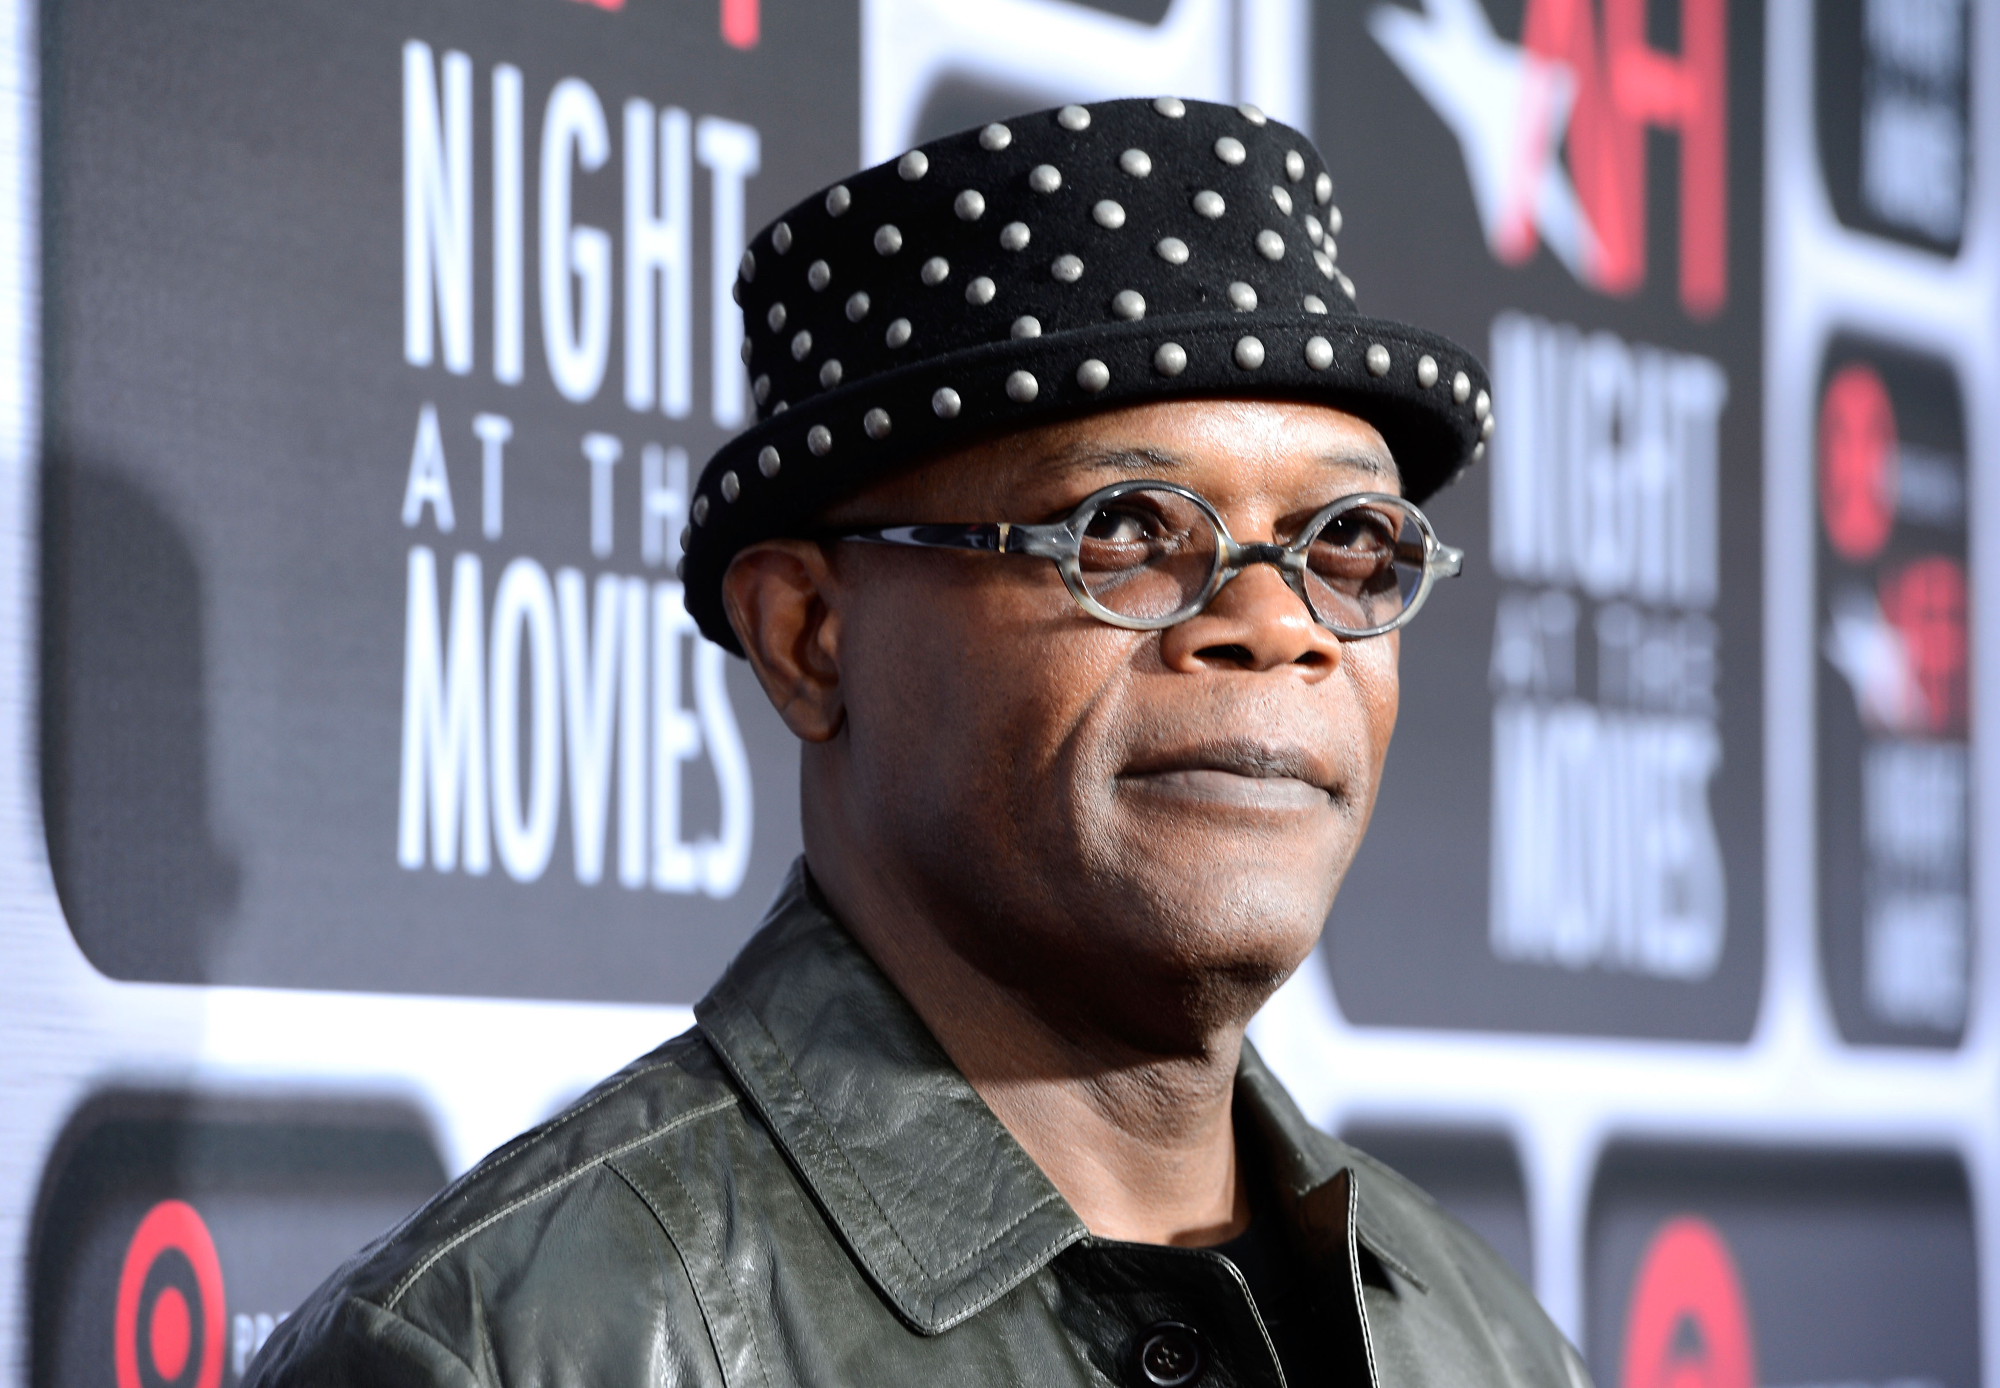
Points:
(1255, 623)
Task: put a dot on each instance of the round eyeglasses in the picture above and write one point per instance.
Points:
(1146, 555)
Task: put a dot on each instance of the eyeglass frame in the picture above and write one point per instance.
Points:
(1061, 542)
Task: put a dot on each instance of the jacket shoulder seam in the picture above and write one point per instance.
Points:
(714, 1253)
(549, 1187)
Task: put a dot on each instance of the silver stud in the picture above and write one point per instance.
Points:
(687, 538)
(1319, 353)
(1461, 387)
(1377, 358)
(970, 205)
(936, 271)
(1295, 165)
(1346, 285)
(1208, 203)
(1108, 215)
(1486, 426)
(1482, 405)
(888, 239)
(776, 318)
(1332, 251)
(1270, 245)
(1312, 303)
(748, 268)
(1172, 107)
(1014, 236)
(1045, 178)
(1314, 233)
(681, 566)
(819, 439)
(838, 200)
(729, 487)
(699, 511)
(744, 351)
(779, 408)
(1479, 450)
(1073, 118)
(980, 291)
(781, 237)
(1026, 326)
(1334, 221)
(995, 137)
(1230, 150)
(1251, 114)
(1323, 189)
(1249, 353)
(1093, 375)
(1325, 263)
(1129, 304)
(913, 165)
(736, 292)
(767, 463)
(819, 274)
(875, 424)
(1172, 249)
(761, 388)
(829, 373)
(1427, 371)
(1136, 162)
(1066, 268)
(1171, 359)
(945, 403)
(898, 333)
(1281, 197)
(1242, 297)
(802, 343)
(1022, 387)
(857, 305)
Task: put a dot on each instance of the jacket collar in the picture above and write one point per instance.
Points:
(943, 1209)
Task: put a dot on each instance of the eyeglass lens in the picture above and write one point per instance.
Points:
(1151, 554)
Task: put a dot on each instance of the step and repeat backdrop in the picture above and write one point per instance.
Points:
(367, 791)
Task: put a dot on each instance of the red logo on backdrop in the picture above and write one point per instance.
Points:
(1584, 82)
(1857, 463)
(739, 20)
(1925, 602)
(1688, 1325)
(168, 1328)
(1624, 86)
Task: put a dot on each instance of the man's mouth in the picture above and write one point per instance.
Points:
(1246, 777)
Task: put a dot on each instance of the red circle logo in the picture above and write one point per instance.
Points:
(1857, 462)
(1688, 1325)
(168, 1329)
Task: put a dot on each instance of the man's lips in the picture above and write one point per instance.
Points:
(1265, 778)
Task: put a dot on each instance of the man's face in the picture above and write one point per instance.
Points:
(1084, 808)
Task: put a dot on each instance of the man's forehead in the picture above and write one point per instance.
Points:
(1194, 437)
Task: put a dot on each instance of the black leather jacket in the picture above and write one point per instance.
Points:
(803, 1190)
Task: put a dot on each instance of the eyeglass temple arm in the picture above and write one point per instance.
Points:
(997, 537)
(1444, 562)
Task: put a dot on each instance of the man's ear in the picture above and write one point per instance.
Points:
(776, 595)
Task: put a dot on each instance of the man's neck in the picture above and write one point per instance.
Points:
(1141, 1145)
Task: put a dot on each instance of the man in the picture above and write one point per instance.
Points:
(1073, 543)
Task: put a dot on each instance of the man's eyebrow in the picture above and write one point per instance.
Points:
(1075, 459)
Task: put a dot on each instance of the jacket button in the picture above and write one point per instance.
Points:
(1170, 1355)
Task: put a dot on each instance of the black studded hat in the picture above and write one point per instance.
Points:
(1065, 261)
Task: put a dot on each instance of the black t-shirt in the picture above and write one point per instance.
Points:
(1280, 1283)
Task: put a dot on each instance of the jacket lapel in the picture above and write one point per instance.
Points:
(939, 1205)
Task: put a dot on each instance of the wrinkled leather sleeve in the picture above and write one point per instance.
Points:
(542, 1266)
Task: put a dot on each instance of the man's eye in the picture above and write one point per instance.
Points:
(1118, 525)
(1359, 530)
